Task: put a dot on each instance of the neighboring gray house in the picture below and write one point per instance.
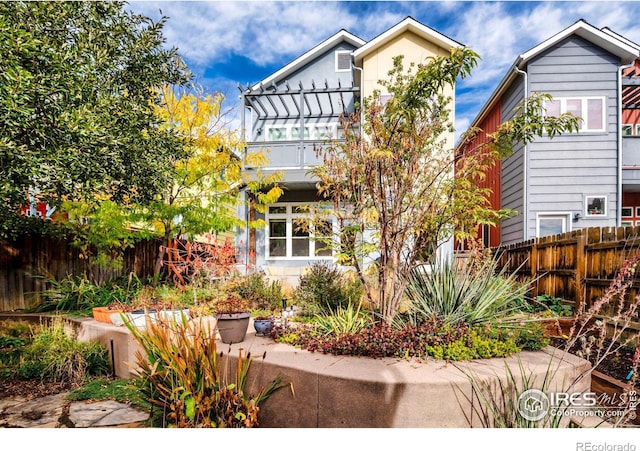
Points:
(298, 108)
(575, 180)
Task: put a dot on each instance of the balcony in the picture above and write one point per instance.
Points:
(631, 159)
(293, 158)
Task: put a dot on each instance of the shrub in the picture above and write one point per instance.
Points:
(182, 372)
(465, 292)
(54, 354)
(326, 287)
(77, 293)
(260, 293)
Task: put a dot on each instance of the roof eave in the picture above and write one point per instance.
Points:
(408, 24)
(342, 35)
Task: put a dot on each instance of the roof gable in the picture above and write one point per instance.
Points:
(408, 24)
(622, 48)
(617, 45)
(301, 61)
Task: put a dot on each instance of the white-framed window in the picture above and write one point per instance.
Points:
(292, 233)
(551, 223)
(324, 131)
(626, 223)
(637, 127)
(627, 130)
(627, 212)
(383, 98)
(295, 133)
(595, 206)
(592, 110)
(343, 61)
(277, 133)
(320, 132)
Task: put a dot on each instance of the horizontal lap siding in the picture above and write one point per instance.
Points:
(562, 171)
(512, 174)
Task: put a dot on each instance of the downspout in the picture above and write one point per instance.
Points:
(361, 89)
(525, 157)
(244, 164)
(619, 188)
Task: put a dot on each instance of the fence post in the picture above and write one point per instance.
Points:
(581, 270)
(533, 264)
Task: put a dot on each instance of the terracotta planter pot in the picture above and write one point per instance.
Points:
(103, 314)
(558, 327)
(233, 326)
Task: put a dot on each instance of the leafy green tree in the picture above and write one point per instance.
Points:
(393, 185)
(77, 89)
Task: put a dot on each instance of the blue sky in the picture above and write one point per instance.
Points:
(231, 42)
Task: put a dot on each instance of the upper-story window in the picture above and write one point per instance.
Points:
(320, 132)
(590, 109)
(277, 133)
(631, 130)
(295, 133)
(343, 61)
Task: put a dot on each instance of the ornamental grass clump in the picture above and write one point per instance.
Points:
(469, 292)
(55, 355)
(192, 383)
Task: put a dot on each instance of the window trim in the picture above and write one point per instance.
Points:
(337, 59)
(586, 206)
(585, 109)
(630, 127)
(289, 216)
(312, 127)
(564, 215)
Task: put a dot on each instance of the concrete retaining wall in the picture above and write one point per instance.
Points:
(327, 391)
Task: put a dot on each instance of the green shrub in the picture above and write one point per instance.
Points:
(532, 337)
(556, 305)
(477, 344)
(464, 292)
(77, 293)
(260, 293)
(326, 287)
(56, 356)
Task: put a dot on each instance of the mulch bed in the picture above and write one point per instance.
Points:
(30, 389)
(617, 365)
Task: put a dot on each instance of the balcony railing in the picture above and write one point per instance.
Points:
(631, 151)
(289, 154)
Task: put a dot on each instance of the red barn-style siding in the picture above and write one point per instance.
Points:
(492, 179)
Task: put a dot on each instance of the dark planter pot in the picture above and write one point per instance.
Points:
(233, 326)
(262, 326)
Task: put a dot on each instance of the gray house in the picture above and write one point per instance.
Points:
(298, 108)
(578, 180)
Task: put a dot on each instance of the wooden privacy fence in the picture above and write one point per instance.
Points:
(577, 266)
(29, 262)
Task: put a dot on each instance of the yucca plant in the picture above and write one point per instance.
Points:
(343, 320)
(473, 293)
(183, 373)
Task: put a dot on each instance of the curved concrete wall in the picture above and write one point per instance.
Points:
(328, 391)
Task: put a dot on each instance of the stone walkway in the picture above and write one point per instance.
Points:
(55, 411)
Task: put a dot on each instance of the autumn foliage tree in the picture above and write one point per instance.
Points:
(392, 183)
(203, 193)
